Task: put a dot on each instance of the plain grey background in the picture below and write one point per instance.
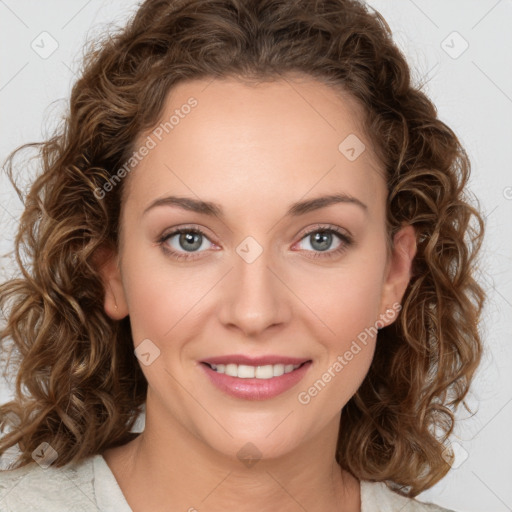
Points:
(460, 48)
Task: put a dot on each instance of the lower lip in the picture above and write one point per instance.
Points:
(256, 389)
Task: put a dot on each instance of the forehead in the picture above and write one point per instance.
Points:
(267, 143)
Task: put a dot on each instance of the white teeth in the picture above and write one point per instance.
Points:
(243, 371)
(279, 370)
(246, 372)
(264, 372)
(231, 369)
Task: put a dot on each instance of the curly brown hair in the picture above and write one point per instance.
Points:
(79, 385)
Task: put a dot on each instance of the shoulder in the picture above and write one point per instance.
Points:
(33, 488)
(378, 497)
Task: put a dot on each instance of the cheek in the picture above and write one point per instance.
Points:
(348, 309)
(162, 298)
(351, 304)
(348, 298)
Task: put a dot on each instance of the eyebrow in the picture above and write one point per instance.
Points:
(295, 210)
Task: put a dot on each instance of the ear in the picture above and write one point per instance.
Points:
(106, 261)
(398, 272)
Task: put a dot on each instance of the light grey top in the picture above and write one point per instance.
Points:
(90, 485)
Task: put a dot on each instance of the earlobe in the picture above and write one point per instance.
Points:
(399, 268)
(106, 261)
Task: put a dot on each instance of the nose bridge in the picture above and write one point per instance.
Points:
(256, 298)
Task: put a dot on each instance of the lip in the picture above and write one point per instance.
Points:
(254, 361)
(256, 389)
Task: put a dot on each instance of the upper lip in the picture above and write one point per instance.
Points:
(254, 361)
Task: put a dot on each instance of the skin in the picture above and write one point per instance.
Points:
(254, 150)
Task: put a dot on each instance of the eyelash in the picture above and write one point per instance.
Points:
(344, 238)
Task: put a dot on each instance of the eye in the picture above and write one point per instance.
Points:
(185, 242)
(182, 243)
(321, 238)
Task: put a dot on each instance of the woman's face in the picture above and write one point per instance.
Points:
(265, 277)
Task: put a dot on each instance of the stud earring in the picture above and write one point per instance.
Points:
(115, 301)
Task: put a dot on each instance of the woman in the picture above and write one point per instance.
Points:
(255, 226)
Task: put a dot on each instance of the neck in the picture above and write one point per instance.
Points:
(171, 466)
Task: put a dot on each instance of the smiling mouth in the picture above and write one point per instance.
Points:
(243, 371)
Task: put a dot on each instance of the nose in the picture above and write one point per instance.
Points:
(254, 297)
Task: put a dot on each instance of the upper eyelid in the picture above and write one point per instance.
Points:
(324, 227)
